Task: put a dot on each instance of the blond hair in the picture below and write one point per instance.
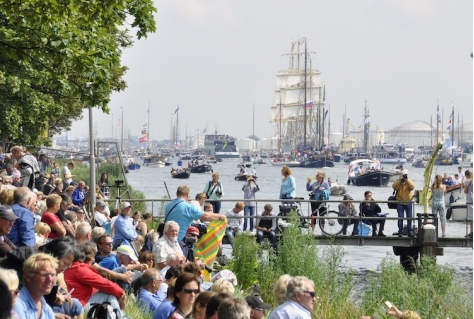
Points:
(39, 260)
(52, 200)
(42, 228)
(279, 290)
(183, 190)
(6, 197)
(222, 285)
(10, 277)
(239, 205)
(208, 207)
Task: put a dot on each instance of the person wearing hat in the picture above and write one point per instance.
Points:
(192, 232)
(7, 218)
(369, 208)
(258, 307)
(99, 215)
(348, 209)
(124, 231)
(120, 262)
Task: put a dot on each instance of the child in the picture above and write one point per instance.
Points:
(42, 231)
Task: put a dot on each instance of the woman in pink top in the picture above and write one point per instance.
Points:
(53, 203)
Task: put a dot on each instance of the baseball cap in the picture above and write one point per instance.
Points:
(7, 213)
(193, 229)
(127, 250)
(255, 301)
(348, 197)
(100, 203)
(125, 205)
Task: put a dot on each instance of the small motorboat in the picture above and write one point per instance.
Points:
(156, 164)
(203, 168)
(133, 166)
(317, 163)
(244, 164)
(419, 164)
(260, 161)
(168, 164)
(397, 171)
(180, 173)
(365, 172)
(243, 176)
(338, 189)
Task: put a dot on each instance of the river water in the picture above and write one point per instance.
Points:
(151, 181)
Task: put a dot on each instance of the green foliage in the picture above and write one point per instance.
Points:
(50, 49)
(432, 291)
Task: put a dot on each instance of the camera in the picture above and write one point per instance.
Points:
(118, 182)
(219, 193)
(190, 241)
(405, 176)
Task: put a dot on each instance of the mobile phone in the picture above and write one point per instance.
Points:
(388, 304)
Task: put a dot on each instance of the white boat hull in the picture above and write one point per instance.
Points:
(156, 164)
(458, 212)
(289, 164)
(338, 189)
(227, 155)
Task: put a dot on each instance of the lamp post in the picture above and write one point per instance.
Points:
(91, 151)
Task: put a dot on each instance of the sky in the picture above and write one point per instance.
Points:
(218, 60)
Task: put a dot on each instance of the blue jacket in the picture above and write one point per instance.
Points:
(78, 196)
(23, 230)
(315, 189)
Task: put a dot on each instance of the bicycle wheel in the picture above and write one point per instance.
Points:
(331, 226)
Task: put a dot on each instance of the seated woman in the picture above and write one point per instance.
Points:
(369, 208)
(90, 287)
(266, 227)
(348, 209)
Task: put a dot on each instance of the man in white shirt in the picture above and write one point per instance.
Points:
(300, 300)
(99, 215)
(67, 175)
(167, 244)
(234, 225)
(461, 175)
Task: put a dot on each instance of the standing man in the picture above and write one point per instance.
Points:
(300, 300)
(249, 189)
(22, 232)
(461, 175)
(123, 227)
(67, 175)
(28, 166)
(39, 274)
(404, 187)
(7, 218)
(183, 213)
(234, 225)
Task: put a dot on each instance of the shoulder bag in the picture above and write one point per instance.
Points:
(393, 198)
(161, 226)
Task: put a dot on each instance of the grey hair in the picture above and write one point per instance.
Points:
(168, 224)
(280, 288)
(149, 275)
(172, 257)
(10, 277)
(233, 308)
(21, 195)
(296, 284)
(83, 229)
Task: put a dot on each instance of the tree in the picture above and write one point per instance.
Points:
(49, 49)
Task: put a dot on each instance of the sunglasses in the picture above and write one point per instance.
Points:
(194, 235)
(311, 293)
(190, 291)
(109, 243)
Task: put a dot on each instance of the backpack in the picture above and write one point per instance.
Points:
(102, 311)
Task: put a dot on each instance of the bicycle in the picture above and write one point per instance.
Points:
(332, 224)
(285, 210)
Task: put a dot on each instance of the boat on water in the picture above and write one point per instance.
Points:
(337, 157)
(259, 161)
(365, 172)
(317, 163)
(352, 156)
(397, 171)
(155, 164)
(276, 162)
(180, 173)
(419, 164)
(337, 189)
(220, 146)
(392, 156)
(247, 158)
(243, 176)
(244, 164)
(202, 168)
(151, 160)
(133, 166)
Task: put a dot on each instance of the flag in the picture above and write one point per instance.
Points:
(208, 245)
(367, 120)
(449, 127)
(325, 114)
(177, 109)
(438, 115)
(225, 145)
(142, 139)
(309, 104)
(204, 131)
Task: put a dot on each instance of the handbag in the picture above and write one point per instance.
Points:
(161, 226)
(393, 198)
(364, 230)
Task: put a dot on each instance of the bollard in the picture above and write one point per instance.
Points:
(429, 241)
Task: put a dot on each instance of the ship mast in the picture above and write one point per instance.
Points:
(148, 129)
(279, 136)
(305, 88)
(366, 127)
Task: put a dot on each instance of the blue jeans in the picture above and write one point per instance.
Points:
(230, 235)
(270, 235)
(347, 222)
(72, 311)
(216, 207)
(249, 211)
(401, 208)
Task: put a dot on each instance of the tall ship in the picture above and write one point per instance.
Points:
(298, 112)
(220, 146)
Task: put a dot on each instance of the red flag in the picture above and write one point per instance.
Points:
(142, 139)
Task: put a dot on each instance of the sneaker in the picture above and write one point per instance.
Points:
(400, 234)
(381, 234)
(354, 235)
(444, 235)
(395, 233)
(468, 235)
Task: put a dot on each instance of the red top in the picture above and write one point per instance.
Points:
(86, 281)
(50, 219)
